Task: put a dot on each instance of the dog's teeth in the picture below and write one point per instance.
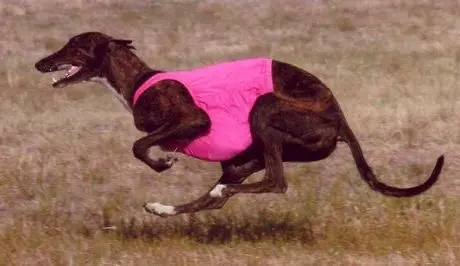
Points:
(54, 79)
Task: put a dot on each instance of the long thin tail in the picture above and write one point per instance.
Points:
(368, 176)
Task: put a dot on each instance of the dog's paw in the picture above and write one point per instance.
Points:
(163, 164)
(159, 209)
(168, 161)
(171, 160)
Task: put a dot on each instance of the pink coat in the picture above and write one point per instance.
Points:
(226, 92)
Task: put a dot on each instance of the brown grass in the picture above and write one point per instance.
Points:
(66, 168)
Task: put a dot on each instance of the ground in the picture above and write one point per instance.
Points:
(71, 193)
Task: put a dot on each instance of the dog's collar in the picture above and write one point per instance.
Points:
(141, 82)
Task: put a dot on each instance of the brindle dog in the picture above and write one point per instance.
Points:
(300, 121)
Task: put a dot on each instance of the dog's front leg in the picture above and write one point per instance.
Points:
(142, 146)
(140, 151)
(233, 173)
(188, 128)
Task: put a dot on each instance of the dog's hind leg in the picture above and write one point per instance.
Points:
(275, 123)
(269, 143)
(273, 180)
(234, 172)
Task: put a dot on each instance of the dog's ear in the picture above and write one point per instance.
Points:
(102, 49)
(125, 43)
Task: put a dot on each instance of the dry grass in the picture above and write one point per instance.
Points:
(66, 169)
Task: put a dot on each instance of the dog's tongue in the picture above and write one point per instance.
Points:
(72, 70)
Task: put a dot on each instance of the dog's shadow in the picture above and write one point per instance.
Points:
(210, 228)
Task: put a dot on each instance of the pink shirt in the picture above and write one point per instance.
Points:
(227, 92)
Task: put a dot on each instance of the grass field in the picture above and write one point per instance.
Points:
(66, 169)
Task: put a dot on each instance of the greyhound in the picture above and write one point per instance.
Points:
(287, 115)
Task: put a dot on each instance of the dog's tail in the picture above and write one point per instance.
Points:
(367, 175)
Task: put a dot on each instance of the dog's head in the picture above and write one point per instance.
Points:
(82, 58)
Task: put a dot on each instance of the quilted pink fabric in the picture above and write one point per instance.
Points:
(227, 92)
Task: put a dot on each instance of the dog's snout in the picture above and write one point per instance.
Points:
(42, 66)
(39, 66)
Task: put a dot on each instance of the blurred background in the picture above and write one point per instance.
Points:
(67, 171)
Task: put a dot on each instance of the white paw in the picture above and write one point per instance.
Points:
(159, 209)
(217, 191)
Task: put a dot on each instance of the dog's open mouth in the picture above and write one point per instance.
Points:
(71, 71)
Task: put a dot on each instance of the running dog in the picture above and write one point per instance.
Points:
(249, 115)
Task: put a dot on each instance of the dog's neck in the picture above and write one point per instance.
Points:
(122, 73)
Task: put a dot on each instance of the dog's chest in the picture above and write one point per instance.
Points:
(227, 93)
